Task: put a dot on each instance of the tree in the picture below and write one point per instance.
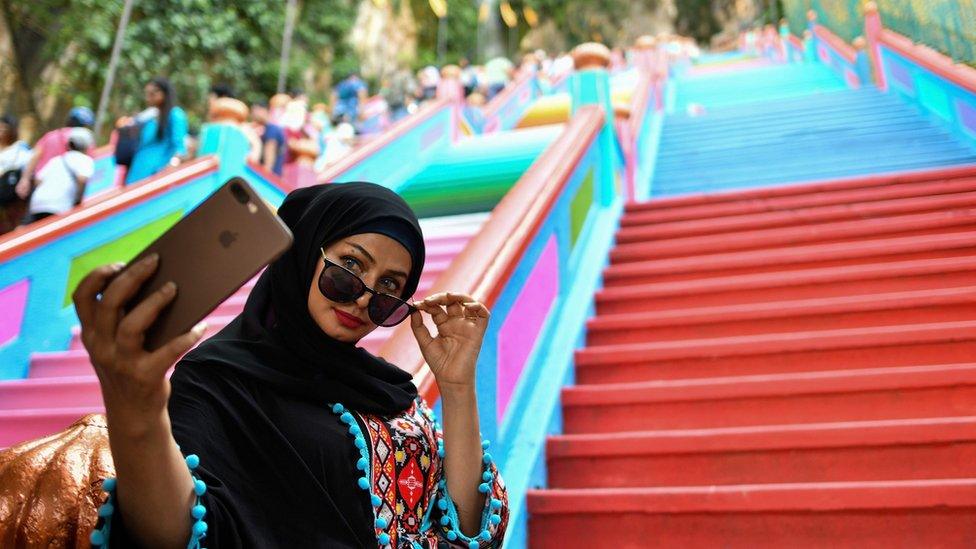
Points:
(60, 50)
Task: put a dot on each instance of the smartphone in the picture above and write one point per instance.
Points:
(209, 254)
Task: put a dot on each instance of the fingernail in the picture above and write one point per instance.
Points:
(169, 288)
(152, 258)
(200, 328)
(118, 266)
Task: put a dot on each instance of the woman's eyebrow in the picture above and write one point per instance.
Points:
(363, 251)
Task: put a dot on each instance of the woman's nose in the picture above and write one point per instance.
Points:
(363, 300)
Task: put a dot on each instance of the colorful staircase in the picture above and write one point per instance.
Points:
(782, 367)
(791, 123)
(61, 386)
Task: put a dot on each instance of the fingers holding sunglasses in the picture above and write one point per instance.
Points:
(420, 330)
(435, 311)
(476, 310)
(452, 301)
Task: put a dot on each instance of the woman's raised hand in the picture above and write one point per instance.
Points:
(133, 381)
(461, 323)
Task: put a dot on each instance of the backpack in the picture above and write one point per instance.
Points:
(127, 143)
(8, 183)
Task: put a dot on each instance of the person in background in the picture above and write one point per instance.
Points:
(61, 182)
(469, 76)
(272, 138)
(428, 77)
(220, 90)
(348, 96)
(498, 72)
(399, 92)
(53, 143)
(14, 155)
(162, 141)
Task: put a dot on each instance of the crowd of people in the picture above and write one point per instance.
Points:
(50, 177)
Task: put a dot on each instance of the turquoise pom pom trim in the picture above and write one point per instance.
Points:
(100, 536)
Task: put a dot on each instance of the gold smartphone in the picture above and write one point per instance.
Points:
(226, 240)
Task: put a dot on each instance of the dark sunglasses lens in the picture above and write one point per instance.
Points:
(339, 285)
(387, 310)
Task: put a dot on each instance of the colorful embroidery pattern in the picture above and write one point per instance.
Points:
(406, 471)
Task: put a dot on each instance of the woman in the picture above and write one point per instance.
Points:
(280, 432)
(162, 138)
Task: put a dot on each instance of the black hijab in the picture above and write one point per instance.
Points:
(277, 341)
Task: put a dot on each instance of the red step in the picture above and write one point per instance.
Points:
(863, 515)
(819, 452)
(637, 243)
(807, 397)
(922, 199)
(857, 311)
(870, 278)
(843, 254)
(853, 348)
(810, 193)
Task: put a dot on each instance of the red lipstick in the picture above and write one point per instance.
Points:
(348, 320)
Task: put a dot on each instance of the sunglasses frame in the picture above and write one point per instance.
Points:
(374, 293)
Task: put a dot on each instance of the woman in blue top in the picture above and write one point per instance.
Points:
(162, 140)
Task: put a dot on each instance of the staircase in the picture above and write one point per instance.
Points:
(61, 386)
(780, 367)
(792, 123)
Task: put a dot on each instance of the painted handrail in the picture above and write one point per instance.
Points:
(486, 262)
(847, 51)
(23, 240)
(500, 100)
(361, 153)
(961, 75)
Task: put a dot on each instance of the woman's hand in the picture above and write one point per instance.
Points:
(461, 323)
(133, 381)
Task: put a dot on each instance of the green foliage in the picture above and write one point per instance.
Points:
(195, 43)
(583, 20)
(461, 36)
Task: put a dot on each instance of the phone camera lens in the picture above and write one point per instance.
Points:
(239, 193)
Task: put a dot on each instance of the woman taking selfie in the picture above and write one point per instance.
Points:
(281, 432)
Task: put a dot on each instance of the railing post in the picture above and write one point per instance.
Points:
(862, 62)
(590, 85)
(872, 30)
(809, 37)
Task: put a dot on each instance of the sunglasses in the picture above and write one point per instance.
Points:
(341, 285)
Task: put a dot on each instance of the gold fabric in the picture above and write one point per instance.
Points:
(50, 488)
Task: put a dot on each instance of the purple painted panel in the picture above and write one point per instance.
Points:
(521, 329)
(431, 136)
(13, 300)
(967, 115)
(901, 75)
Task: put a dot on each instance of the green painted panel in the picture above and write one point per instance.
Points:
(580, 207)
(123, 248)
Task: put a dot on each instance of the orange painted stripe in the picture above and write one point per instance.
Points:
(846, 50)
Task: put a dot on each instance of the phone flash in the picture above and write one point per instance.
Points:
(252, 207)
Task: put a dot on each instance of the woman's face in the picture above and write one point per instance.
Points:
(382, 263)
(154, 96)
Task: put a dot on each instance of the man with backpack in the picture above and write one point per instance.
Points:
(52, 144)
(61, 182)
